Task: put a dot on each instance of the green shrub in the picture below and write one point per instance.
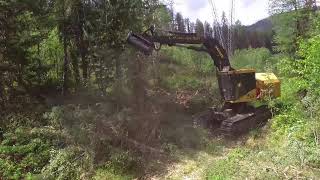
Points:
(105, 174)
(296, 128)
(76, 122)
(177, 82)
(11, 121)
(68, 163)
(259, 59)
(197, 62)
(229, 167)
(24, 152)
(123, 161)
(122, 165)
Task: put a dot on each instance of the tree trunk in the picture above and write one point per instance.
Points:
(65, 66)
(82, 45)
(75, 65)
(2, 98)
(118, 65)
(139, 85)
(65, 50)
(84, 67)
(39, 64)
(295, 41)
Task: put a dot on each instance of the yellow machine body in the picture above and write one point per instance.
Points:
(266, 85)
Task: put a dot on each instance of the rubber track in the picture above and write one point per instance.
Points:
(242, 123)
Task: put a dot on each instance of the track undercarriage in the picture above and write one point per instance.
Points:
(234, 119)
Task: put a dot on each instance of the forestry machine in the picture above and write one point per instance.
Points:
(238, 88)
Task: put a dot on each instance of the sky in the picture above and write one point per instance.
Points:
(247, 11)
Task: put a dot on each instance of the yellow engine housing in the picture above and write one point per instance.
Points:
(267, 85)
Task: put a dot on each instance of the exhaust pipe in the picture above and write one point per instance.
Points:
(140, 43)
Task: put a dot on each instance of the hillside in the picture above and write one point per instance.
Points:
(264, 25)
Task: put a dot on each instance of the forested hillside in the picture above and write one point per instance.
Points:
(77, 102)
(256, 35)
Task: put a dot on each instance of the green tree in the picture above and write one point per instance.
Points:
(162, 18)
(208, 29)
(22, 30)
(192, 27)
(187, 24)
(291, 19)
(199, 28)
(240, 36)
(224, 30)
(180, 26)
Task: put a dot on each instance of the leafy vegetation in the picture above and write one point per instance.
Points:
(77, 103)
(260, 59)
(290, 148)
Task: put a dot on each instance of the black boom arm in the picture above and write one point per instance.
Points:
(146, 43)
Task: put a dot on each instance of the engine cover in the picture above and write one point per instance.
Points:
(268, 85)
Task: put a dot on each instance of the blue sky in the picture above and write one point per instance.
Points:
(247, 11)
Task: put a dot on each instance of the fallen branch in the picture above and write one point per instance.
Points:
(7, 67)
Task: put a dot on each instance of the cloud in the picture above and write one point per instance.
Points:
(196, 5)
(247, 11)
(247, 3)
